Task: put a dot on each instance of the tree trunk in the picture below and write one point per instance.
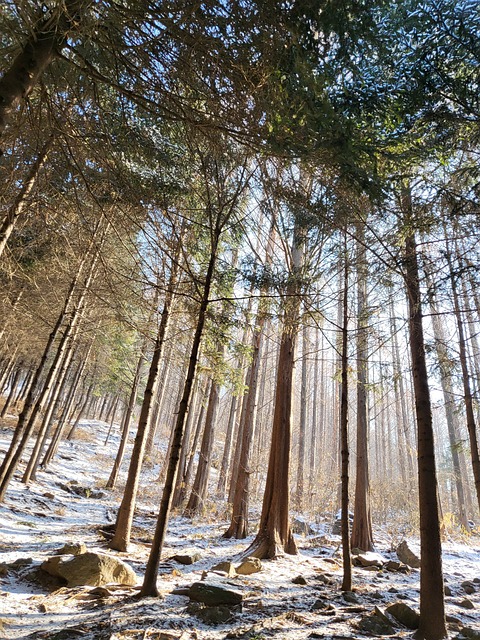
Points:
(275, 535)
(45, 41)
(196, 501)
(449, 402)
(21, 200)
(362, 534)
(123, 528)
(13, 390)
(239, 522)
(186, 478)
(432, 606)
(112, 480)
(33, 405)
(302, 432)
(344, 449)
(149, 587)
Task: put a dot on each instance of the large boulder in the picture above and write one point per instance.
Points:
(404, 614)
(407, 556)
(369, 559)
(93, 569)
(214, 593)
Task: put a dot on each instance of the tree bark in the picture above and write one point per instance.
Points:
(21, 200)
(45, 41)
(467, 391)
(149, 586)
(343, 421)
(124, 523)
(432, 607)
(362, 533)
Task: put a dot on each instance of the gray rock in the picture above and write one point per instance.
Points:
(249, 566)
(370, 559)
(404, 614)
(219, 614)
(393, 565)
(188, 558)
(468, 587)
(214, 593)
(350, 597)
(302, 527)
(447, 591)
(299, 580)
(465, 604)
(407, 556)
(94, 569)
(375, 626)
(470, 633)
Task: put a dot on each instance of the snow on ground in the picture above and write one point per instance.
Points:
(37, 520)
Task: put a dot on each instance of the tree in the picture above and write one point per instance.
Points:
(362, 535)
(432, 607)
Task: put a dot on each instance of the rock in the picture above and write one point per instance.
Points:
(324, 606)
(226, 567)
(50, 566)
(404, 614)
(351, 597)
(189, 558)
(302, 527)
(375, 625)
(299, 580)
(370, 559)
(49, 495)
(468, 587)
(94, 569)
(337, 525)
(3, 569)
(447, 591)
(214, 593)
(407, 556)
(392, 565)
(471, 634)
(219, 614)
(249, 566)
(20, 562)
(465, 604)
(72, 548)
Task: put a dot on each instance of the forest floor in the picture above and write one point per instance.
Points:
(37, 520)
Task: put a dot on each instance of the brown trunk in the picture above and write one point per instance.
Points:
(344, 449)
(112, 480)
(449, 402)
(302, 432)
(124, 523)
(227, 447)
(195, 504)
(149, 587)
(362, 534)
(45, 41)
(53, 446)
(432, 607)
(13, 390)
(275, 535)
(182, 483)
(21, 200)
(33, 405)
(467, 391)
(239, 522)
